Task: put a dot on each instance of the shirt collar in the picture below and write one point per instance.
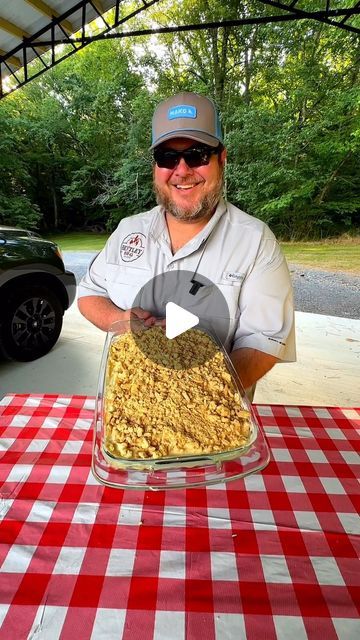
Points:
(203, 235)
(159, 223)
(159, 227)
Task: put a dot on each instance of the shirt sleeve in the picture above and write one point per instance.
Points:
(266, 320)
(94, 281)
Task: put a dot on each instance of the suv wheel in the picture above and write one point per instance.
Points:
(31, 324)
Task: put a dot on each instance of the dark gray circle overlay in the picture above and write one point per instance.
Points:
(198, 295)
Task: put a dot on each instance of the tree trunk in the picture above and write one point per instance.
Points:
(324, 191)
(249, 55)
(55, 203)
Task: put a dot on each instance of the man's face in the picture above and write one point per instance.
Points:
(189, 194)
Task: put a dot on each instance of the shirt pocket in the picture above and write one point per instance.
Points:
(231, 292)
(226, 326)
(124, 284)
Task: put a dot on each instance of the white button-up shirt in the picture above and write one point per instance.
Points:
(235, 251)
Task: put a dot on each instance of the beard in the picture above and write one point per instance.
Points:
(206, 205)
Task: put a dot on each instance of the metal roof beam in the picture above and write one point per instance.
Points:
(5, 25)
(289, 11)
(40, 58)
(98, 11)
(347, 17)
(321, 16)
(198, 27)
(99, 6)
(44, 8)
(13, 60)
(35, 41)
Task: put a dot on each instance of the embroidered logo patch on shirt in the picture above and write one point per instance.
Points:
(132, 247)
(233, 276)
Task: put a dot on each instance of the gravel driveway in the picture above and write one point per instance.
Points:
(325, 292)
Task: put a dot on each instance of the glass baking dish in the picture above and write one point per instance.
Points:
(173, 471)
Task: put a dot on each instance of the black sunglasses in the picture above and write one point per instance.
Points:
(194, 157)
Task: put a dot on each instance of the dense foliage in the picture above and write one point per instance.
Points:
(74, 143)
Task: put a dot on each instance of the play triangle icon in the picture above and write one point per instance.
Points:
(178, 320)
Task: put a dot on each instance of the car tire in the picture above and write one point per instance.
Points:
(31, 323)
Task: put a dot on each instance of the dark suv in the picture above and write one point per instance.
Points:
(35, 290)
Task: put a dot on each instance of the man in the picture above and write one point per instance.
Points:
(194, 229)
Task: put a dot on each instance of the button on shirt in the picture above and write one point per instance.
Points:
(239, 254)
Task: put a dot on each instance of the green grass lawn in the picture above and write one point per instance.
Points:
(331, 255)
(343, 255)
(79, 240)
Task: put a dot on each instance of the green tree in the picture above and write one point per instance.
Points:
(74, 145)
(16, 207)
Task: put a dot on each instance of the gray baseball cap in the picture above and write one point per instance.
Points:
(186, 115)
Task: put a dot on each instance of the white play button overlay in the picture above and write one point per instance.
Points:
(178, 320)
(183, 308)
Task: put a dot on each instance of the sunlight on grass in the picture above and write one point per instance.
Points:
(79, 241)
(342, 255)
(330, 256)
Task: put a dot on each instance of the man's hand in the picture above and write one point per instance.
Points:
(103, 313)
(251, 365)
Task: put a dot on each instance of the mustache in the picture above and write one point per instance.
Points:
(202, 209)
(184, 182)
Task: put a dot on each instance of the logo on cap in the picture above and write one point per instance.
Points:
(182, 111)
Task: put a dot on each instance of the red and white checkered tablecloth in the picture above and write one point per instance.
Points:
(275, 555)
